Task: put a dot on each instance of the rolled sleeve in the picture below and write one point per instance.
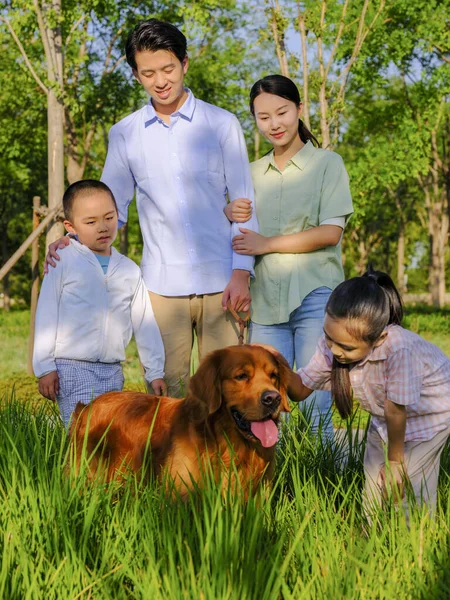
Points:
(117, 173)
(317, 373)
(335, 199)
(403, 378)
(239, 184)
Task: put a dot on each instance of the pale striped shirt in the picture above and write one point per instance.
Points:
(406, 369)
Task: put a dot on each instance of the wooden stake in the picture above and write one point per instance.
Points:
(34, 282)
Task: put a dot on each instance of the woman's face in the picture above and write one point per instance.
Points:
(277, 119)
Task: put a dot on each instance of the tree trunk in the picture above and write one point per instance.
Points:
(438, 228)
(50, 23)
(401, 260)
(55, 114)
(257, 140)
(5, 256)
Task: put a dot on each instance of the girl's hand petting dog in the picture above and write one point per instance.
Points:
(159, 387)
(239, 211)
(392, 479)
(49, 385)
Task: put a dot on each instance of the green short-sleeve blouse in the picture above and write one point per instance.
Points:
(313, 187)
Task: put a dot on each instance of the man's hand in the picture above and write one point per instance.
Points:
(239, 211)
(49, 385)
(52, 255)
(159, 387)
(237, 291)
(392, 479)
(250, 242)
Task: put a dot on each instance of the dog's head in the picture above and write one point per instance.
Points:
(249, 383)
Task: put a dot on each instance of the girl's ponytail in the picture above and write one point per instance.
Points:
(392, 294)
(341, 390)
(306, 135)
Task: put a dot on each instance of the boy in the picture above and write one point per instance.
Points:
(183, 157)
(89, 307)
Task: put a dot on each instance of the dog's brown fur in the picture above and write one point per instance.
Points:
(184, 437)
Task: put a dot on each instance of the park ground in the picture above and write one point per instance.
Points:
(307, 539)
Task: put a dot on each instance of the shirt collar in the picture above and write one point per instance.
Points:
(378, 353)
(186, 111)
(300, 159)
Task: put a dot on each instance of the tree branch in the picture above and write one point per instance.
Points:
(25, 57)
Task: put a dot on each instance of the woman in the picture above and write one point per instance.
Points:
(303, 202)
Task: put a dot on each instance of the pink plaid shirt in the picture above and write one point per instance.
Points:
(406, 369)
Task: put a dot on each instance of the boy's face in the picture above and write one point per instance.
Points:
(94, 220)
(161, 74)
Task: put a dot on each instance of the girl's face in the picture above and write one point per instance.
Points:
(277, 119)
(345, 347)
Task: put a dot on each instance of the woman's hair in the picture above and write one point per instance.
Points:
(278, 85)
(368, 304)
(154, 35)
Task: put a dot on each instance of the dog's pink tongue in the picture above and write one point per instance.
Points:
(265, 431)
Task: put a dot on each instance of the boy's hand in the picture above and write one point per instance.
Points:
(239, 211)
(159, 387)
(49, 385)
(52, 255)
(392, 480)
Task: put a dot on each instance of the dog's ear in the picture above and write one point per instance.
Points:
(204, 395)
(284, 370)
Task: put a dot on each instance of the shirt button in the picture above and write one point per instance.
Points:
(275, 218)
(178, 177)
(187, 224)
(173, 154)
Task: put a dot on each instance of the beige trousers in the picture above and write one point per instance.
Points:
(422, 460)
(178, 317)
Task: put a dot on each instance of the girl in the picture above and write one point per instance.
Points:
(402, 380)
(302, 203)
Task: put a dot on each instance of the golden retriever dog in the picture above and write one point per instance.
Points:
(227, 425)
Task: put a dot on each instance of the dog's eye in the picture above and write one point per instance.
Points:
(241, 377)
(274, 375)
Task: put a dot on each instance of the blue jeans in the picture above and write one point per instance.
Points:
(297, 340)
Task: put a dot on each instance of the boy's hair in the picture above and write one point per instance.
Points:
(80, 189)
(369, 304)
(154, 35)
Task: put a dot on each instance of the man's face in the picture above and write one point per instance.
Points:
(161, 74)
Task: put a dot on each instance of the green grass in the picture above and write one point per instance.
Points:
(63, 539)
(60, 538)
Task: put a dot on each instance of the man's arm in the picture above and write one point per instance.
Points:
(117, 173)
(239, 185)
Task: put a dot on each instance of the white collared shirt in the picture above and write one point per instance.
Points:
(182, 174)
(85, 314)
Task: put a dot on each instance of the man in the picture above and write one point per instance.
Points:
(183, 157)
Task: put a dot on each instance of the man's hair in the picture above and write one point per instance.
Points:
(80, 189)
(154, 35)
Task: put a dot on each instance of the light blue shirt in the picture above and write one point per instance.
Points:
(182, 174)
(104, 261)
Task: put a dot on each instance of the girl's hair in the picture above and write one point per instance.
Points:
(278, 85)
(368, 304)
(154, 35)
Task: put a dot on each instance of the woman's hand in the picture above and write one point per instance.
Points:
(250, 242)
(239, 211)
(392, 479)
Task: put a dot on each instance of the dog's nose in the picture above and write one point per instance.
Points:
(271, 398)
